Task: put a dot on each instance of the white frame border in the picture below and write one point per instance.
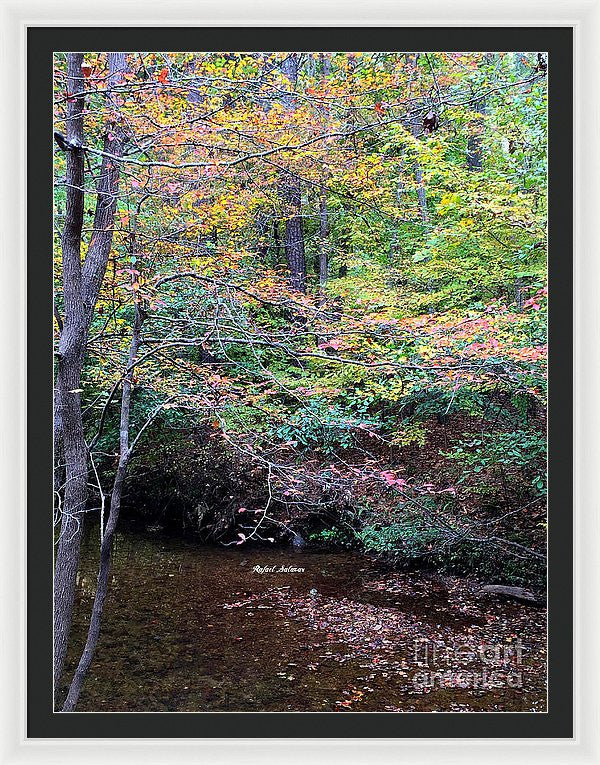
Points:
(15, 17)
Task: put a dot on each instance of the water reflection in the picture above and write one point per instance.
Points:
(193, 628)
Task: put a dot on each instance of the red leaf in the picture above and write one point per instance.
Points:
(162, 75)
(86, 70)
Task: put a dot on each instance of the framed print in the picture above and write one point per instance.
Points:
(300, 402)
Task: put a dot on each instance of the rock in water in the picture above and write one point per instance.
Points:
(518, 593)
(298, 542)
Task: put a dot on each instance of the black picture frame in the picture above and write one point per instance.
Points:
(557, 722)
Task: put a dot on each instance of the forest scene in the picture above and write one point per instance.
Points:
(300, 348)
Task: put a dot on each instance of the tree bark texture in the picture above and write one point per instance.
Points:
(81, 286)
(291, 193)
(325, 62)
(416, 130)
(113, 517)
(474, 140)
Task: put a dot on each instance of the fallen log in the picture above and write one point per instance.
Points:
(517, 593)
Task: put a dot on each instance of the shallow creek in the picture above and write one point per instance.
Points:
(194, 628)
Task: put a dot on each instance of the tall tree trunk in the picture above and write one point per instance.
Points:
(395, 239)
(107, 188)
(292, 197)
(416, 130)
(262, 244)
(474, 140)
(325, 62)
(59, 456)
(323, 243)
(474, 143)
(113, 517)
(421, 193)
(276, 241)
(81, 285)
(294, 236)
(71, 350)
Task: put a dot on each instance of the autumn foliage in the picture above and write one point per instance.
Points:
(398, 401)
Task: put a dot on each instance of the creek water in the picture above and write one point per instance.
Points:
(195, 628)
